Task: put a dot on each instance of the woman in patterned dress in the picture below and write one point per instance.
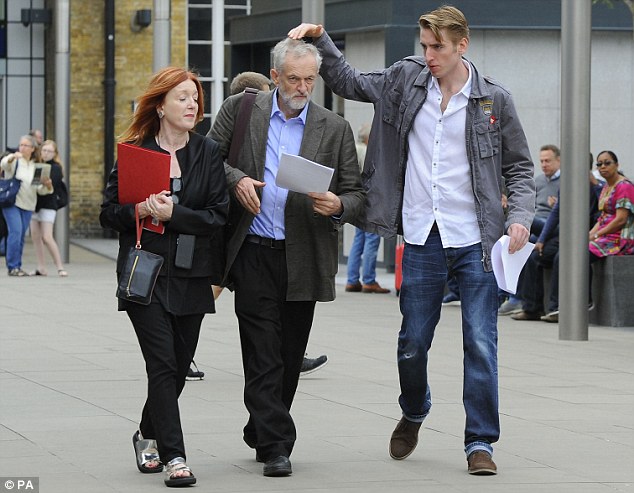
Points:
(613, 233)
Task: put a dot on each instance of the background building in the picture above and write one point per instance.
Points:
(515, 41)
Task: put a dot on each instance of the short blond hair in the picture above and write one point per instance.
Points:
(446, 17)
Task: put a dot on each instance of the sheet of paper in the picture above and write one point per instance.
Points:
(302, 175)
(507, 267)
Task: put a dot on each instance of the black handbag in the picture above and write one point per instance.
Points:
(140, 271)
(9, 188)
(61, 195)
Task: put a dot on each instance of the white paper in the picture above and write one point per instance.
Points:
(506, 266)
(302, 175)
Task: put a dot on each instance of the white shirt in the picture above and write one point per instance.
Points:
(438, 177)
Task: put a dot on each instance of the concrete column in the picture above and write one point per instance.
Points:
(217, 56)
(62, 114)
(313, 12)
(575, 141)
(162, 35)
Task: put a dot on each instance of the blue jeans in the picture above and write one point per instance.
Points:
(365, 247)
(425, 270)
(17, 223)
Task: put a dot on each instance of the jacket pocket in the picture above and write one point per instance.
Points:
(392, 111)
(488, 137)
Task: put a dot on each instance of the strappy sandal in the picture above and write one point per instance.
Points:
(175, 466)
(62, 273)
(145, 452)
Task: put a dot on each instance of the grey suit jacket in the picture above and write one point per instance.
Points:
(311, 239)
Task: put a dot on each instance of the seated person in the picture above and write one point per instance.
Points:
(546, 255)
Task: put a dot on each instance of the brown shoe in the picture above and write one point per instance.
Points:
(375, 287)
(354, 287)
(404, 439)
(481, 464)
(524, 315)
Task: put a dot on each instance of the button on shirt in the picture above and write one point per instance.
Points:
(438, 177)
(285, 136)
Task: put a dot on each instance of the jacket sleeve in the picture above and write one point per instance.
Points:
(517, 168)
(345, 80)
(349, 189)
(222, 132)
(114, 215)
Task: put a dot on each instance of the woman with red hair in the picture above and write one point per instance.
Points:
(196, 205)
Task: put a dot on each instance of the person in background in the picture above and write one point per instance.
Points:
(22, 165)
(196, 204)
(45, 211)
(546, 190)
(37, 134)
(282, 253)
(443, 139)
(365, 246)
(613, 233)
(546, 255)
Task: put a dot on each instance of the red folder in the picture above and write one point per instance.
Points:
(142, 172)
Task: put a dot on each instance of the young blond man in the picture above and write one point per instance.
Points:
(443, 140)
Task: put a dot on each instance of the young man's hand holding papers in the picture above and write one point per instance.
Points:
(507, 266)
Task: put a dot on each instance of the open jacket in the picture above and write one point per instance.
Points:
(311, 239)
(201, 211)
(496, 146)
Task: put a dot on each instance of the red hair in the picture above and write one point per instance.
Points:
(145, 121)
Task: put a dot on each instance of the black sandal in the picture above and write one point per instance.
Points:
(145, 451)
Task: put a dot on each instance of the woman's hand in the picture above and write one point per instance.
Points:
(160, 205)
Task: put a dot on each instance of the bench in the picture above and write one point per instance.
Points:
(612, 291)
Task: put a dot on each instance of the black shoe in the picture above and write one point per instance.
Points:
(310, 365)
(194, 374)
(278, 467)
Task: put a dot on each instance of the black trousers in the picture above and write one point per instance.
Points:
(168, 344)
(532, 279)
(273, 335)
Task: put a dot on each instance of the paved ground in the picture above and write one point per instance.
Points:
(72, 383)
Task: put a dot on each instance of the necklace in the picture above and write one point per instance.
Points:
(173, 148)
(605, 194)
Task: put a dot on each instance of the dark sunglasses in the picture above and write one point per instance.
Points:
(177, 186)
(600, 164)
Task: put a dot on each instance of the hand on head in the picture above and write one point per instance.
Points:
(306, 30)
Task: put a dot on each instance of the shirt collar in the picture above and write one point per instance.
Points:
(275, 110)
(466, 89)
(555, 175)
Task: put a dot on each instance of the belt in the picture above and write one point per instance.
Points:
(266, 242)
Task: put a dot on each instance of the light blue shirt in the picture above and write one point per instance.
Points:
(285, 136)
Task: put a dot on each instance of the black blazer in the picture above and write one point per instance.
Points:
(201, 211)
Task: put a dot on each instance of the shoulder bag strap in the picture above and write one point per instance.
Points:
(139, 227)
(240, 128)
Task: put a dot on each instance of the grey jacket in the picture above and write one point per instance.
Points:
(496, 145)
(311, 239)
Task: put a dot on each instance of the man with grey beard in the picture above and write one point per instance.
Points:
(282, 246)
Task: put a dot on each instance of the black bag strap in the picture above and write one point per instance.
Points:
(240, 127)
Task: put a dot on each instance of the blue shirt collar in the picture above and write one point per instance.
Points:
(275, 109)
